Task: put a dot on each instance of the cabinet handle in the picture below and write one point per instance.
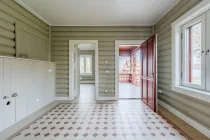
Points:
(14, 95)
(5, 97)
(207, 51)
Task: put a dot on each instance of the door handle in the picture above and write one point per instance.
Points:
(14, 95)
(5, 97)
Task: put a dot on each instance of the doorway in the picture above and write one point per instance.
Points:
(126, 84)
(129, 72)
(84, 71)
(138, 67)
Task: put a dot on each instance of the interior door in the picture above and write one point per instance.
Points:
(76, 71)
(148, 76)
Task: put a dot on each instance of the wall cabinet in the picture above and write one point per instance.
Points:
(27, 86)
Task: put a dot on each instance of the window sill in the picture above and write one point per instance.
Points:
(195, 93)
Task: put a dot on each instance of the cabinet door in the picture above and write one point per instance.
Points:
(35, 86)
(1, 94)
(19, 87)
(49, 88)
(9, 102)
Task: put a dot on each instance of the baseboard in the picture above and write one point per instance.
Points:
(19, 125)
(187, 119)
(105, 99)
(61, 98)
(87, 82)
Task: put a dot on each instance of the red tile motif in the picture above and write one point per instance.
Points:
(132, 120)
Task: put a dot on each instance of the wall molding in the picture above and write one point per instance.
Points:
(187, 119)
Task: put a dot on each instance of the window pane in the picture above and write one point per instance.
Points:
(124, 65)
(87, 66)
(82, 65)
(194, 54)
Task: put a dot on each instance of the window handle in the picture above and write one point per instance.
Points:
(207, 51)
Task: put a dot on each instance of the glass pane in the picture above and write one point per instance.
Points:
(82, 65)
(88, 65)
(194, 54)
(124, 65)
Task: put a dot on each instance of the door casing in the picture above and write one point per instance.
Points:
(117, 44)
(72, 43)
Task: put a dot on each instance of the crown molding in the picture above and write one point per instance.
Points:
(32, 12)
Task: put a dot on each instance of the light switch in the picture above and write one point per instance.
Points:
(105, 62)
(105, 90)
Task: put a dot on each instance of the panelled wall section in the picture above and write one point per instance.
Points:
(106, 37)
(11, 13)
(194, 108)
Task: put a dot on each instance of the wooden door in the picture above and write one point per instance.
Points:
(148, 75)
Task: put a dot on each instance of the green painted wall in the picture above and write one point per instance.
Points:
(194, 108)
(10, 14)
(106, 37)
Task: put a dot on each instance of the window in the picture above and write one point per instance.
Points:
(191, 53)
(193, 56)
(85, 64)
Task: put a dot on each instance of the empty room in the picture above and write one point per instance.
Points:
(104, 70)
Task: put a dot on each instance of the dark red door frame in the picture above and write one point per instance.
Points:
(148, 74)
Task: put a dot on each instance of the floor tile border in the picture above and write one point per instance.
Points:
(35, 120)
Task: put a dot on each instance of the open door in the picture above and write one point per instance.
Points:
(76, 71)
(148, 73)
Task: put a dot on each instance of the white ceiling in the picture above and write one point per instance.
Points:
(86, 47)
(99, 12)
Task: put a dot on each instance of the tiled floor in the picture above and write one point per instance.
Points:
(130, 120)
(87, 93)
(86, 119)
(128, 90)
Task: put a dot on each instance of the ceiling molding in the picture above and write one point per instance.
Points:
(111, 25)
(167, 12)
(32, 12)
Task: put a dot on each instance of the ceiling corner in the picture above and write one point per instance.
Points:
(32, 12)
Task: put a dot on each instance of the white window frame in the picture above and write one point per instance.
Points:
(87, 74)
(184, 52)
(177, 86)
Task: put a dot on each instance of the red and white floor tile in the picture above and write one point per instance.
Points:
(118, 121)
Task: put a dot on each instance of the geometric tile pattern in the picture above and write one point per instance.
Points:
(114, 121)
